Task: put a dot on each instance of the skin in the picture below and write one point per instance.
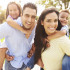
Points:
(28, 18)
(63, 17)
(50, 23)
(13, 11)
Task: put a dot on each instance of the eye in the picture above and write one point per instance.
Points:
(26, 15)
(67, 18)
(62, 17)
(48, 20)
(33, 17)
(56, 20)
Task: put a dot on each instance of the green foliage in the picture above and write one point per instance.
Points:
(2, 15)
(49, 3)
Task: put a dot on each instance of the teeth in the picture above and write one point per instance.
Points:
(28, 23)
(51, 28)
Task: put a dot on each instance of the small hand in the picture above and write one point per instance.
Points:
(31, 52)
(9, 58)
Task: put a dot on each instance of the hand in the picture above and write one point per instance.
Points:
(9, 19)
(9, 58)
(31, 52)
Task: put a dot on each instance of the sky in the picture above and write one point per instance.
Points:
(4, 3)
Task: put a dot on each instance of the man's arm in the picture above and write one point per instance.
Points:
(57, 34)
(2, 56)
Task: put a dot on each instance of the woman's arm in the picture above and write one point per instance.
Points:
(2, 56)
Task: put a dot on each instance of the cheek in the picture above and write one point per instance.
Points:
(56, 24)
(45, 25)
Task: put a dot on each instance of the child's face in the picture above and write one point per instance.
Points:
(13, 11)
(63, 17)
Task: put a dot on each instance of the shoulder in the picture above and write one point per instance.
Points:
(3, 25)
(64, 27)
(18, 20)
(62, 39)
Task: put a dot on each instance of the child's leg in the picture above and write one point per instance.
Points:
(30, 64)
(66, 63)
(28, 68)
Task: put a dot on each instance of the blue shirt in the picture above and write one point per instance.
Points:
(67, 29)
(18, 45)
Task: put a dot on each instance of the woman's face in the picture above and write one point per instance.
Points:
(63, 17)
(50, 23)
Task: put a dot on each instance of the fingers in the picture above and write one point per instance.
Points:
(9, 58)
(29, 55)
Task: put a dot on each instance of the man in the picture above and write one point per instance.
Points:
(18, 43)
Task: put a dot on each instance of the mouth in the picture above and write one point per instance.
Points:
(51, 28)
(28, 23)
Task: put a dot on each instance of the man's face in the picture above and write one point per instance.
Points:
(28, 18)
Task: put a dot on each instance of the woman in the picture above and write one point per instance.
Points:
(52, 51)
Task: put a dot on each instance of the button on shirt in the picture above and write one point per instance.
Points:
(18, 45)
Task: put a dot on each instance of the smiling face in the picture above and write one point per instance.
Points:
(28, 18)
(50, 23)
(63, 17)
(13, 11)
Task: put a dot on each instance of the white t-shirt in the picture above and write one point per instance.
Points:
(36, 67)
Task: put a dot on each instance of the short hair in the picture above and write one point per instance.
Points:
(18, 6)
(65, 10)
(30, 5)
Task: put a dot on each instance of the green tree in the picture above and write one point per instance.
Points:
(55, 3)
(2, 15)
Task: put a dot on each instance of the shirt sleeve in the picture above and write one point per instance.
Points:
(19, 21)
(65, 45)
(5, 30)
(65, 28)
(2, 43)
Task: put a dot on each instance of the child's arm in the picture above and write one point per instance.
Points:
(14, 24)
(57, 34)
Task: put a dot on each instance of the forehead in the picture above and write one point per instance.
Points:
(29, 11)
(52, 15)
(13, 6)
(63, 14)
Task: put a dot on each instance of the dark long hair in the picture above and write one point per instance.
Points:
(40, 34)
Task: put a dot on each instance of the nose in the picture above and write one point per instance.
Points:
(53, 23)
(64, 19)
(29, 19)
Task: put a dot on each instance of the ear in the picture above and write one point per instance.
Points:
(42, 23)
